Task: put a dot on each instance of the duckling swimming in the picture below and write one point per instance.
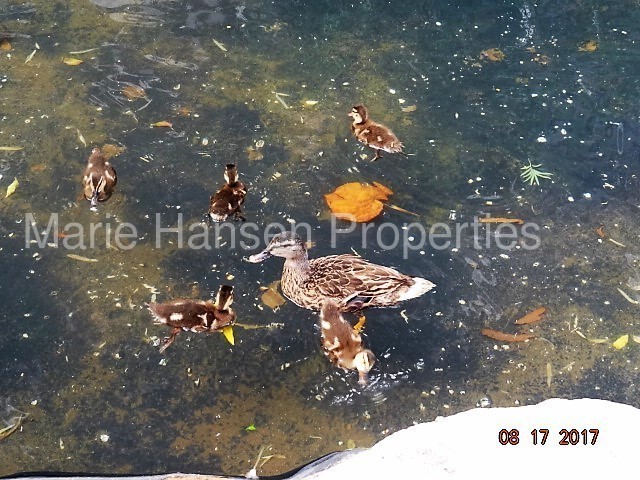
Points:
(230, 198)
(194, 315)
(342, 344)
(372, 134)
(352, 282)
(99, 178)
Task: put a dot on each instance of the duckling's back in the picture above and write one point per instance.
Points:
(338, 335)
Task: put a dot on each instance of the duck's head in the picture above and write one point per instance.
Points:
(286, 244)
(224, 298)
(95, 189)
(223, 315)
(363, 361)
(358, 113)
(96, 157)
(231, 173)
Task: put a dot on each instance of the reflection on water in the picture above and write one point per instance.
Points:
(268, 86)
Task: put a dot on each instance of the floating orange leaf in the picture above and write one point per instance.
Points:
(357, 201)
(506, 337)
(532, 317)
(162, 123)
(519, 221)
(5, 45)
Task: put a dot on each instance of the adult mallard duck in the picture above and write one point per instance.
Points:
(194, 315)
(99, 178)
(352, 282)
(372, 134)
(342, 344)
(229, 199)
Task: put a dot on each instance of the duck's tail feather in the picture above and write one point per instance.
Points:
(420, 287)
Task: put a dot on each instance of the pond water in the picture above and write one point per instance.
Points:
(268, 85)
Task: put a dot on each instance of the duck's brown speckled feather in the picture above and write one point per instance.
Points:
(343, 278)
(350, 281)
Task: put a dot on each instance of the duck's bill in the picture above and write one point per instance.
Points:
(364, 378)
(259, 257)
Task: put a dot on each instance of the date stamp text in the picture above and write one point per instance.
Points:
(540, 436)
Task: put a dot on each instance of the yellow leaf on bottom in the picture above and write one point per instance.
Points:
(228, 334)
(620, 342)
(162, 123)
(271, 297)
(12, 188)
(72, 61)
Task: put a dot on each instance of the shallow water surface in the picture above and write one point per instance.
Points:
(268, 85)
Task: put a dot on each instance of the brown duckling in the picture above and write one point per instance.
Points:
(229, 199)
(372, 134)
(342, 344)
(194, 315)
(99, 178)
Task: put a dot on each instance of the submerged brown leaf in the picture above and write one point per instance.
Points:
(518, 221)
(109, 150)
(506, 337)
(254, 154)
(532, 317)
(542, 59)
(38, 167)
(493, 54)
(5, 45)
(133, 92)
(588, 46)
(182, 111)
